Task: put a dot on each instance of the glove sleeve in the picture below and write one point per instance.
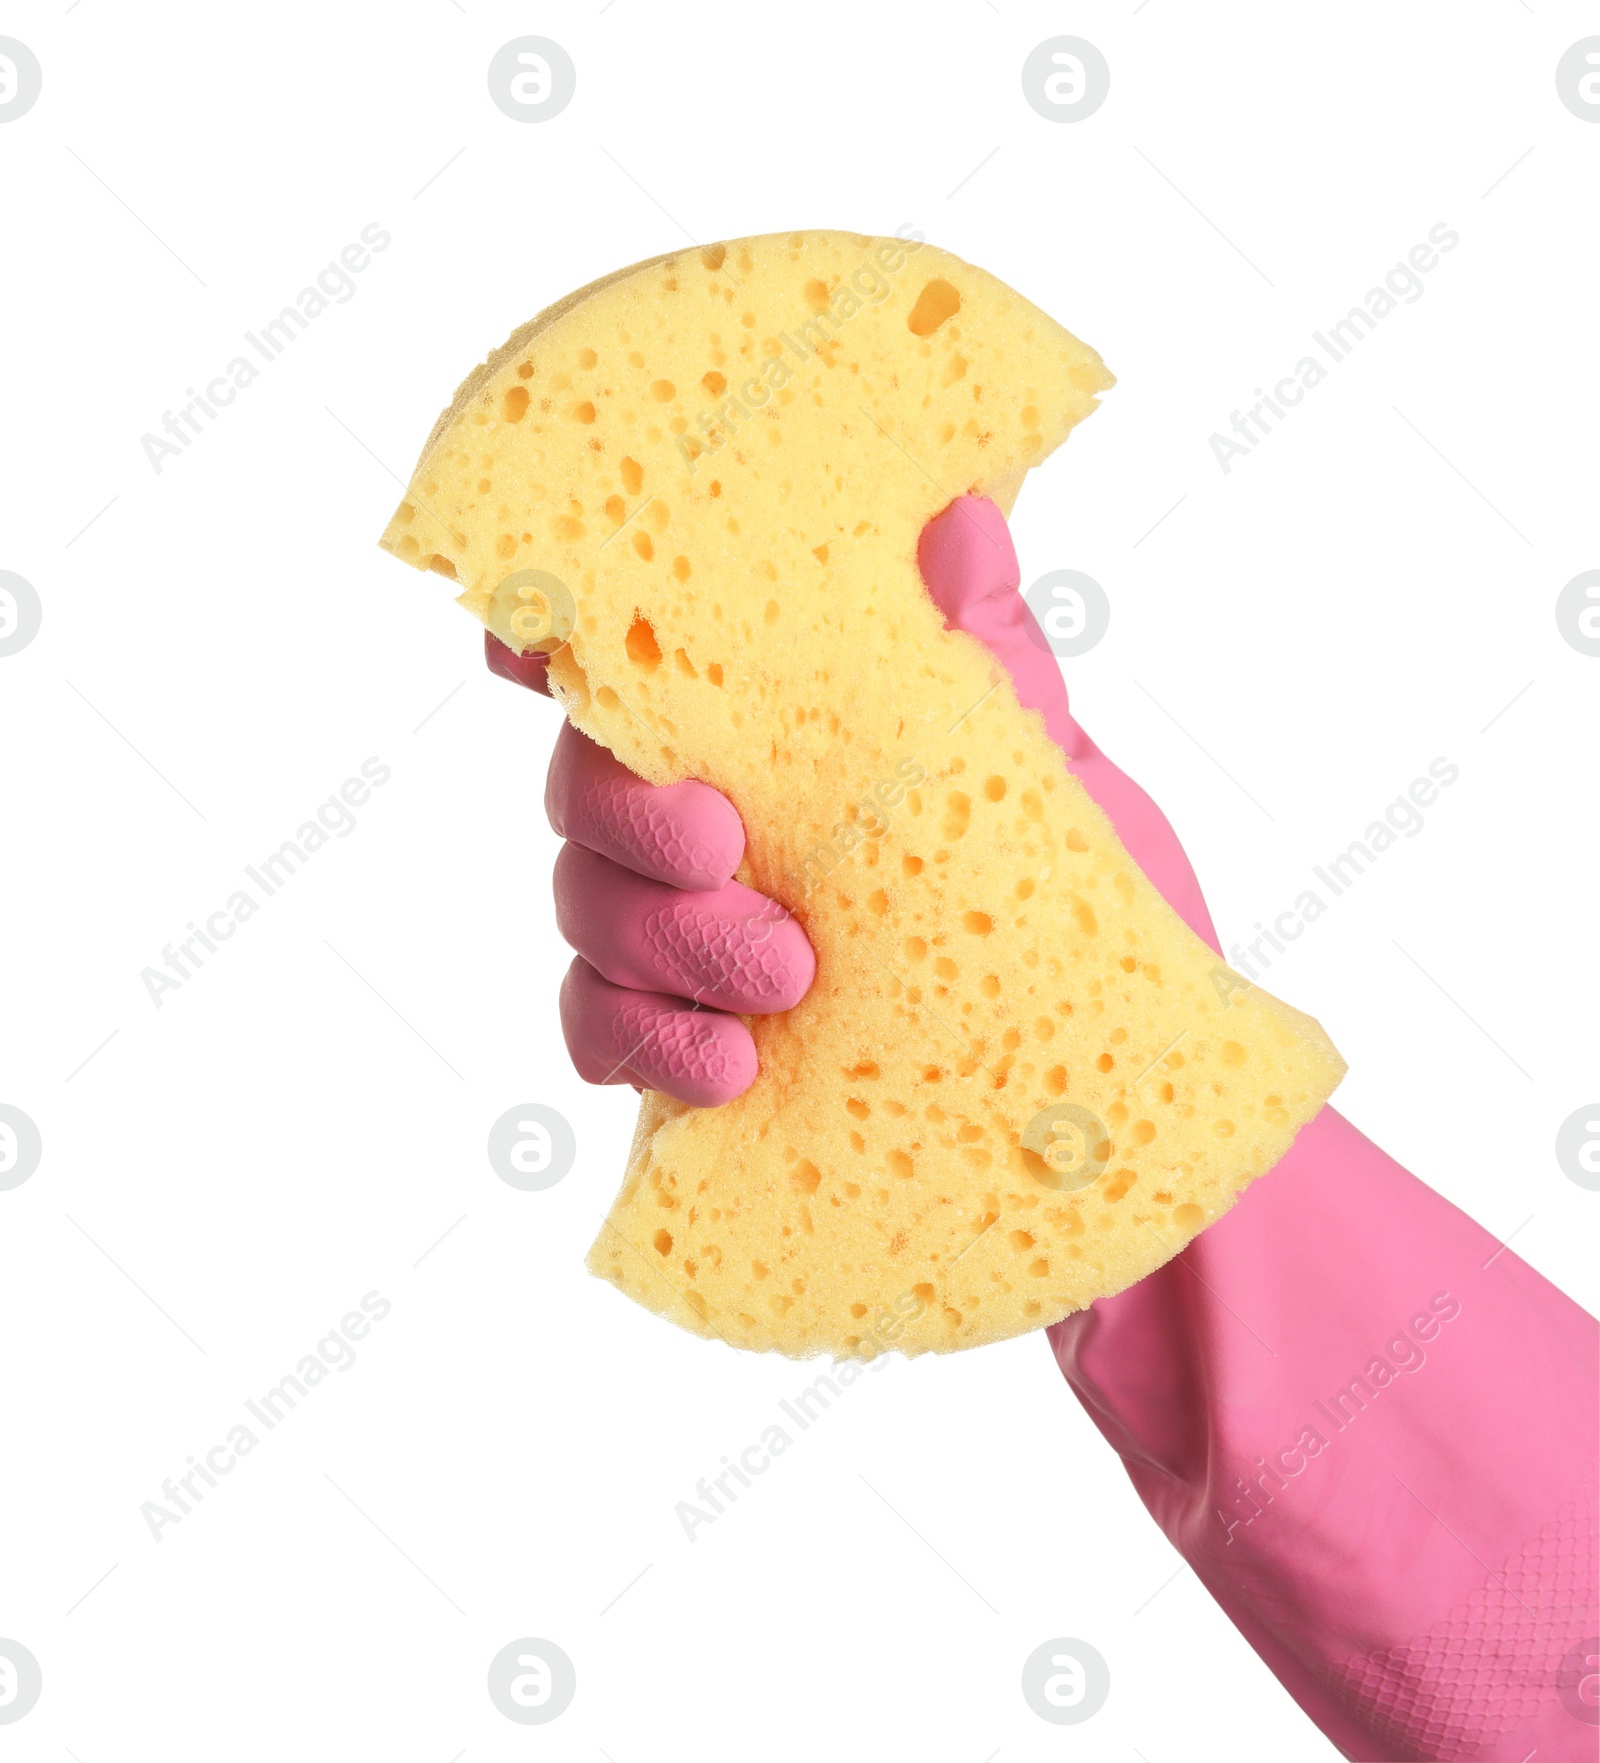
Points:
(1369, 1428)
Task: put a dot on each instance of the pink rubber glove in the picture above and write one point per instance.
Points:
(668, 943)
(1368, 1428)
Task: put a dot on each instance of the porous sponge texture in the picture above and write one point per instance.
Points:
(726, 457)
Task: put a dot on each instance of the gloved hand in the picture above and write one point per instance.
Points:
(1367, 1427)
(668, 943)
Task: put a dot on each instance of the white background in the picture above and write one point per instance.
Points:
(300, 1124)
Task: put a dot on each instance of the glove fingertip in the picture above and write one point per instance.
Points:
(965, 554)
(699, 1057)
(522, 670)
(707, 831)
(798, 964)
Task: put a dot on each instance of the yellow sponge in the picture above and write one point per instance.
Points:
(1019, 1081)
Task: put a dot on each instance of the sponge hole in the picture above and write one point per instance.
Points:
(805, 1177)
(937, 302)
(643, 649)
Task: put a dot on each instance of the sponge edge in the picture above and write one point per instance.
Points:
(1019, 1081)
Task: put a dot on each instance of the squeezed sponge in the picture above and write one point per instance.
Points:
(1019, 1081)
